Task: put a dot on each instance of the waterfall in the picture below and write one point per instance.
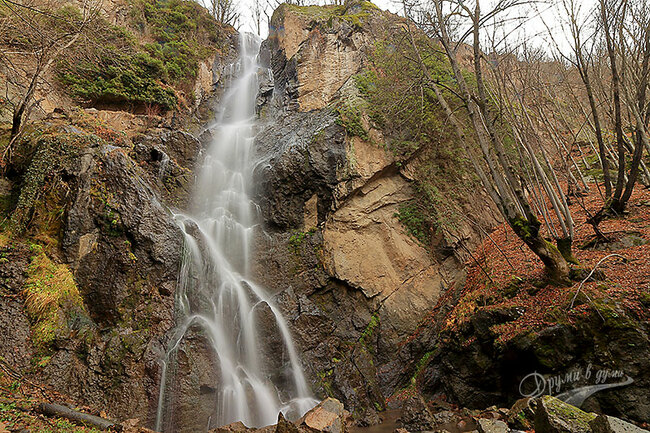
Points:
(215, 292)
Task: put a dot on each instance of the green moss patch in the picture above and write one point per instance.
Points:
(52, 298)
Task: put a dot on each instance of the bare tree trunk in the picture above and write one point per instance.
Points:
(583, 70)
(503, 188)
(618, 121)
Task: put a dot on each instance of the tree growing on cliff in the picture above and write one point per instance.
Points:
(225, 11)
(508, 166)
(34, 34)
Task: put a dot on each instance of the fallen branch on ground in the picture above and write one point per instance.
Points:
(76, 416)
(587, 278)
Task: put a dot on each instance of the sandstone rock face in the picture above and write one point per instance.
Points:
(317, 60)
(394, 267)
(323, 60)
(349, 277)
(328, 417)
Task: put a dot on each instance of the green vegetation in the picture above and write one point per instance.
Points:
(577, 419)
(42, 195)
(400, 102)
(397, 100)
(297, 239)
(420, 366)
(115, 68)
(429, 214)
(111, 218)
(349, 116)
(523, 228)
(417, 223)
(15, 417)
(51, 298)
(367, 333)
(354, 13)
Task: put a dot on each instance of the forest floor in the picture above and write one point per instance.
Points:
(19, 401)
(505, 273)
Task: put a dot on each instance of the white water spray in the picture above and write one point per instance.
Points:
(215, 292)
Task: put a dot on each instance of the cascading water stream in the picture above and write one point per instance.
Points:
(215, 292)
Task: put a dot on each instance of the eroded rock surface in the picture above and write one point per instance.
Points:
(352, 281)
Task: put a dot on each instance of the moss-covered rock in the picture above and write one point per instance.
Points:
(555, 416)
(522, 414)
(52, 299)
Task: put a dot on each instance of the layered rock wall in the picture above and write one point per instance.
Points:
(353, 281)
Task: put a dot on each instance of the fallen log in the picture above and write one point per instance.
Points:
(86, 419)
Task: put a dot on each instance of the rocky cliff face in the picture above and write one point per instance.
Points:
(351, 278)
(89, 249)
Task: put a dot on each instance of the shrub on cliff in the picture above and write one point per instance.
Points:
(151, 61)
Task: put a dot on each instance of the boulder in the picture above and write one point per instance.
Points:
(328, 416)
(235, 427)
(416, 416)
(554, 416)
(522, 414)
(609, 424)
(492, 426)
(445, 417)
(285, 426)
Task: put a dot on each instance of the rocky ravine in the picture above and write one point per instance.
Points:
(353, 283)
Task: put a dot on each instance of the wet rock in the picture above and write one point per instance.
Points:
(305, 153)
(484, 372)
(609, 424)
(168, 159)
(492, 426)
(235, 427)
(445, 417)
(554, 416)
(285, 426)
(191, 398)
(328, 416)
(134, 236)
(522, 414)
(416, 416)
(15, 342)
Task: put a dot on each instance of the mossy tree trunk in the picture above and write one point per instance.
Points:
(565, 246)
(557, 266)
